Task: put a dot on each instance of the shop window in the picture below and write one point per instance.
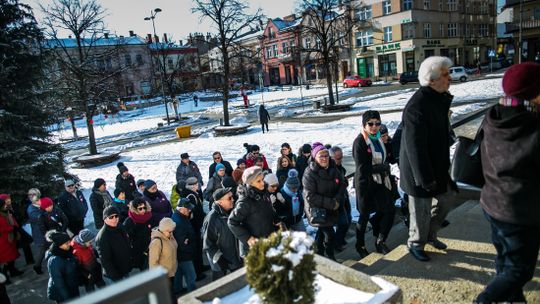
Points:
(427, 30)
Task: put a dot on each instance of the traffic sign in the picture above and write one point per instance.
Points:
(491, 53)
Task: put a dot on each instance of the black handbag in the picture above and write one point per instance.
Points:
(318, 215)
(467, 162)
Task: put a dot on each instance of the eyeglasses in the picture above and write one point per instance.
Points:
(216, 158)
(112, 217)
(274, 186)
(371, 124)
(324, 156)
(141, 208)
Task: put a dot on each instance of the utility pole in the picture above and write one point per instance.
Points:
(520, 30)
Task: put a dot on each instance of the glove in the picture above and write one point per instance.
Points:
(381, 168)
(336, 206)
(272, 199)
(280, 198)
(431, 187)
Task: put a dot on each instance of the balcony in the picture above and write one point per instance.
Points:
(525, 25)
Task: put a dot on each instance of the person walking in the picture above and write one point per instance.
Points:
(162, 250)
(510, 161)
(425, 156)
(161, 207)
(63, 282)
(88, 265)
(125, 182)
(139, 229)
(218, 159)
(100, 199)
(323, 187)
(187, 241)
(264, 117)
(72, 202)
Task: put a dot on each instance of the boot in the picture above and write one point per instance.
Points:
(380, 246)
(13, 272)
(362, 251)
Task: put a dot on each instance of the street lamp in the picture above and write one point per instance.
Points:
(151, 18)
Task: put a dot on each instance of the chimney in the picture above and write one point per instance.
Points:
(148, 38)
(165, 38)
(106, 35)
(131, 34)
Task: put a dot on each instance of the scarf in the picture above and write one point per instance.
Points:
(140, 218)
(107, 200)
(152, 196)
(378, 153)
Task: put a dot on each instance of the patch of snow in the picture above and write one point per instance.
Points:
(276, 268)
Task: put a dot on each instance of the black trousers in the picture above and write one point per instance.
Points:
(383, 219)
(517, 252)
(325, 239)
(262, 126)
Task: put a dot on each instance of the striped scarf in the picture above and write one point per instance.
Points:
(509, 101)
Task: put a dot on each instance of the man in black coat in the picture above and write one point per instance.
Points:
(125, 182)
(114, 247)
(425, 156)
(264, 117)
(74, 205)
(219, 243)
(218, 159)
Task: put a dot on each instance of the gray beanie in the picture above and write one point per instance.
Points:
(292, 180)
(84, 236)
(250, 174)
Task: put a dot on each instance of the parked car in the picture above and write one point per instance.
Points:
(458, 73)
(407, 77)
(356, 81)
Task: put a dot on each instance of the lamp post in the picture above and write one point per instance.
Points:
(151, 18)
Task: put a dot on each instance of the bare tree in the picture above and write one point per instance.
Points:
(230, 19)
(85, 64)
(330, 23)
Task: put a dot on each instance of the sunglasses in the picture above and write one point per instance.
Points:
(274, 186)
(111, 217)
(141, 208)
(371, 124)
(217, 157)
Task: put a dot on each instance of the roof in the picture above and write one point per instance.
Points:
(110, 41)
(282, 24)
(169, 46)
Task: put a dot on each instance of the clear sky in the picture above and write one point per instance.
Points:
(176, 18)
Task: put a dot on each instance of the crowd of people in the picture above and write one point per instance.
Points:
(139, 227)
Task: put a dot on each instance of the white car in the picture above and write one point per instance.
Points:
(458, 73)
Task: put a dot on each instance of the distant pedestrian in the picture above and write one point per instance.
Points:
(100, 199)
(72, 202)
(186, 237)
(88, 265)
(218, 159)
(196, 100)
(125, 181)
(62, 265)
(138, 228)
(161, 207)
(187, 169)
(510, 196)
(162, 251)
(237, 173)
(244, 96)
(264, 117)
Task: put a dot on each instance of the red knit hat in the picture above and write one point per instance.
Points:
(522, 81)
(4, 196)
(45, 203)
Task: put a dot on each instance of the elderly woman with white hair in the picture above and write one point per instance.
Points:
(425, 155)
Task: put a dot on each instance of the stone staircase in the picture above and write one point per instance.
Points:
(455, 275)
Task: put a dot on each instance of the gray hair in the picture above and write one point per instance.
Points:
(333, 150)
(430, 69)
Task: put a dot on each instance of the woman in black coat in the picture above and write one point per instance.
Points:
(126, 182)
(323, 188)
(139, 228)
(264, 117)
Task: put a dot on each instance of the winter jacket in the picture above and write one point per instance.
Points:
(8, 238)
(54, 220)
(73, 205)
(237, 175)
(511, 164)
(253, 215)
(424, 154)
(282, 175)
(114, 249)
(161, 207)
(126, 184)
(228, 168)
(162, 252)
(250, 161)
(214, 183)
(219, 243)
(99, 201)
(185, 237)
(264, 116)
(63, 275)
(88, 264)
(175, 196)
(34, 213)
(183, 172)
(197, 214)
(302, 163)
(323, 188)
(122, 209)
(138, 228)
(284, 210)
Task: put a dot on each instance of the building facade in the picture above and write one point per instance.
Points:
(524, 28)
(177, 66)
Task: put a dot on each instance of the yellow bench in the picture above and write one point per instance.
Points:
(183, 131)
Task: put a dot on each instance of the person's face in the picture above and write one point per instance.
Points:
(141, 187)
(284, 163)
(153, 189)
(227, 202)
(273, 188)
(536, 100)
(323, 159)
(184, 211)
(122, 196)
(242, 166)
(167, 233)
(372, 126)
(285, 151)
(338, 157)
(185, 160)
(71, 188)
(33, 197)
(255, 152)
(441, 84)
(112, 220)
(306, 154)
(49, 209)
(102, 188)
(65, 246)
(88, 244)
(125, 174)
(384, 138)
(259, 163)
(217, 158)
(141, 209)
(221, 172)
(258, 183)
(8, 202)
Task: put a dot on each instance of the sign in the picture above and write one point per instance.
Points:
(387, 48)
(491, 53)
(406, 20)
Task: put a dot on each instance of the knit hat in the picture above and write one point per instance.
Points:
(306, 148)
(184, 156)
(383, 129)
(191, 181)
(240, 161)
(219, 167)
(4, 196)
(45, 202)
(219, 193)
(316, 148)
(149, 183)
(250, 174)
(271, 179)
(166, 224)
(111, 210)
(140, 182)
(370, 114)
(57, 238)
(69, 182)
(185, 203)
(121, 167)
(292, 180)
(519, 81)
(117, 192)
(84, 236)
(99, 182)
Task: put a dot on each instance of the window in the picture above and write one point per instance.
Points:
(467, 30)
(441, 30)
(387, 7)
(271, 33)
(427, 30)
(285, 48)
(170, 64)
(275, 50)
(452, 29)
(407, 5)
(268, 52)
(537, 12)
(364, 38)
(483, 30)
(483, 7)
(127, 59)
(387, 34)
(452, 5)
(440, 6)
(307, 43)
(409, 30)
(318, 43)
(427, 4)
(364, 13)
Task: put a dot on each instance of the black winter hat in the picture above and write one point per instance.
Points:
(99, 182)
(370, 114)
(254, 148)
(57, 238)
(117, 192)
(184, 156)
(121, 167)
(219, 193)
(306, 148)
(111, 210)
(240, 161)
(383, 129)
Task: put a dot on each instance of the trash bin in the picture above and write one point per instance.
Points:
(316, 104)
(183, 131)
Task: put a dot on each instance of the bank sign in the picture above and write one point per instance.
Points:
(387, 48)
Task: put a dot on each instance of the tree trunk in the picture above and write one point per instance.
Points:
(92, 148)
(328, 72)
(73, 127)
(226, 72)
(175, 104)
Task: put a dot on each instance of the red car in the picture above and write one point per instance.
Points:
(356, 81)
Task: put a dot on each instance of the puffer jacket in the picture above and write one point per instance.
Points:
(162, 252)
(161, 207)
(114, 249)
(63, 275)
(99, 201)
(323, 188)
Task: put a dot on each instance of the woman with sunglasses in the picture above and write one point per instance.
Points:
(138, 227)
(372, 184)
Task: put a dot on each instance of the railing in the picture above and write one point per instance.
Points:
(525, 24)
